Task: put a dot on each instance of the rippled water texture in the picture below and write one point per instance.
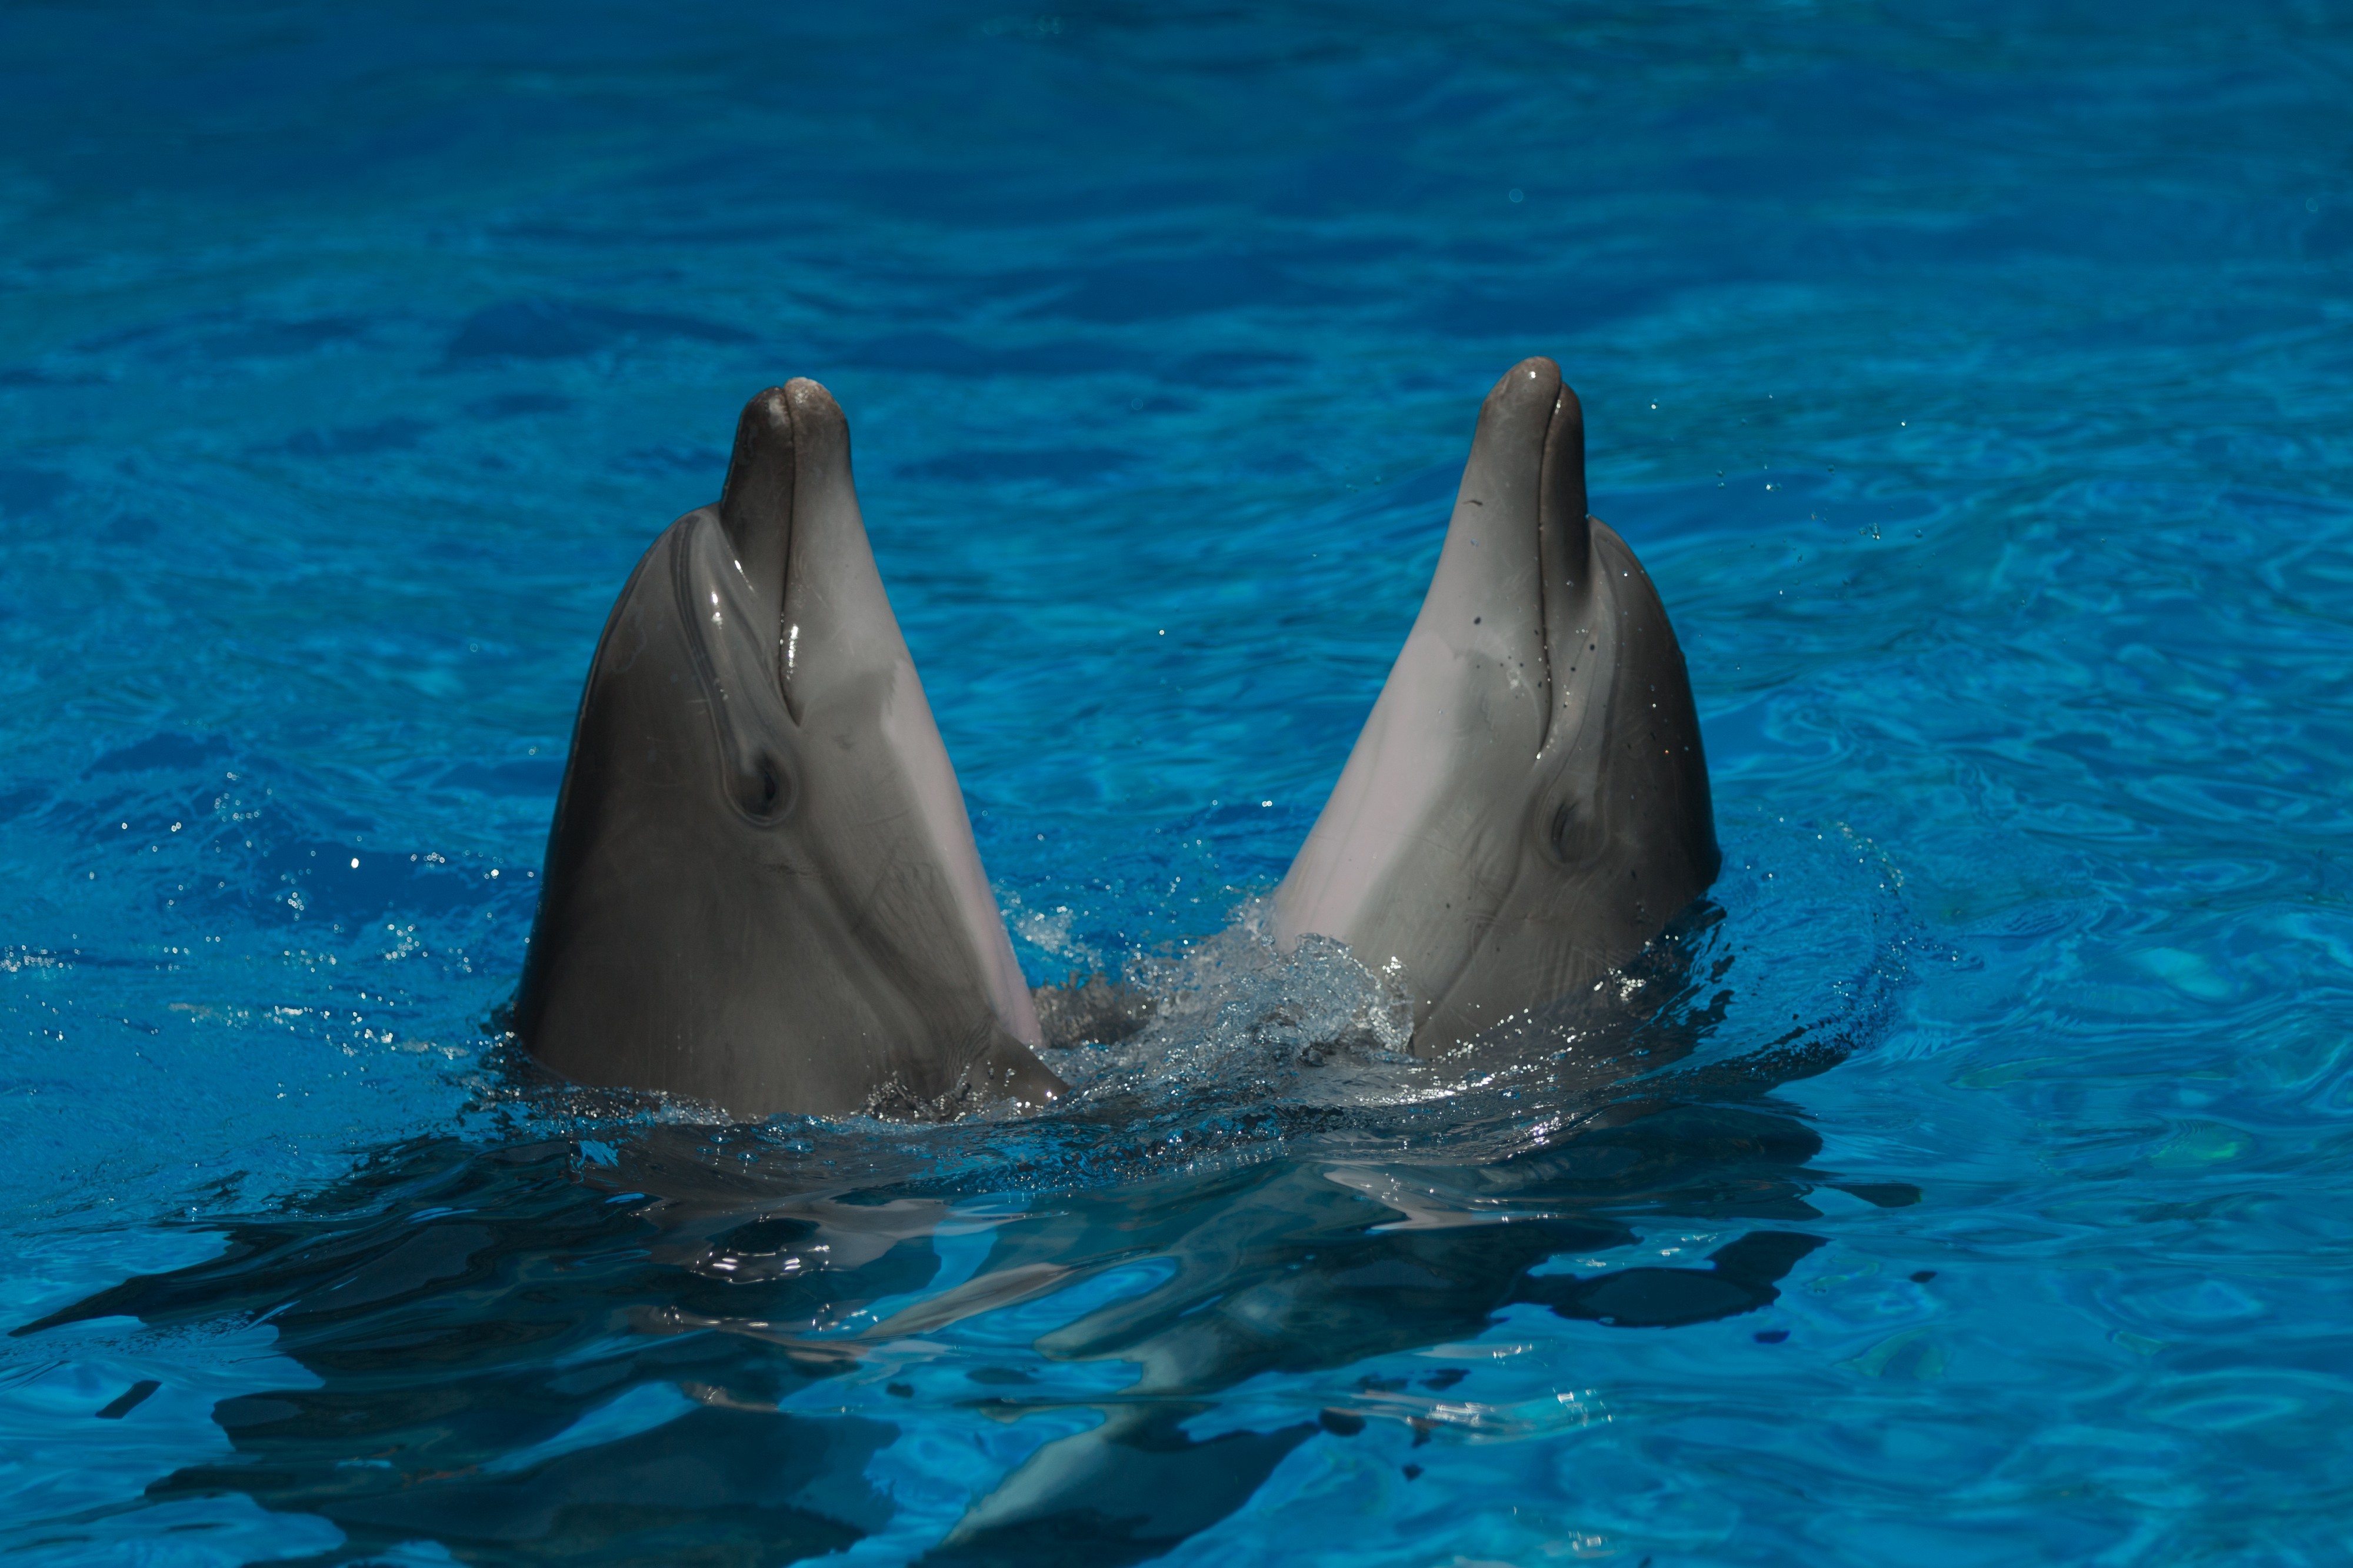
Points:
(1964, 1183)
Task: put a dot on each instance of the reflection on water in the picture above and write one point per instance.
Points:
(662, 1339)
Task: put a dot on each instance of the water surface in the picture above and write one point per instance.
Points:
(1962, 1184)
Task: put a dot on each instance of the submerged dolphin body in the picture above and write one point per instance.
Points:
(1528, 805)
(761, 888)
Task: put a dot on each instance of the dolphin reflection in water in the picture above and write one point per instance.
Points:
(679, 1356)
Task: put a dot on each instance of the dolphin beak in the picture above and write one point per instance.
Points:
(1527, 461)
(756, 507)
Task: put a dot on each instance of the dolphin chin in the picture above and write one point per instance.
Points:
(762, 889)
(1528, 805)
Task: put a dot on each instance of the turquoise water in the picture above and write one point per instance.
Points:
(1977, 383)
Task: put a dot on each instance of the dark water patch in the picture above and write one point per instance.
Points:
(1069, 465)
(560, 328)
(939, 354)
(2331, 235)
(231, 336)
(2288, 509)
(1165, 289)
(164, 754)
(30, 491)
(1567, 303)
(517, 404)
(2113, 229)
(396, 434)
(1742, 1278)
(2190, 324)
(958, 190)
(36, 375)
(1235, 367)
(661, 461)
(1347, 180)
(274, 339)
(130, 1399)
(15, 803)
(525, 777)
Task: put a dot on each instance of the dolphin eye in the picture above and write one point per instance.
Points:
(1572, 832)
(764, 788)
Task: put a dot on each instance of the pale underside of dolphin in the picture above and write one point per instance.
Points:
(762, 889)
(1528, 805)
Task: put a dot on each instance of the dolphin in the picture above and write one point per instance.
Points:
(1528, 805)
(760, 886)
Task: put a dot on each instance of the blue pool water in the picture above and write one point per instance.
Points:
(1976, 382)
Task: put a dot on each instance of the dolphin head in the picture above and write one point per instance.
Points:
(761, 888)
(1528, 805)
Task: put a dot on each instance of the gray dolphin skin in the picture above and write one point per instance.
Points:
(762, 889)
(1528, 805)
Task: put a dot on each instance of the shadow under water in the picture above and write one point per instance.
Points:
(645, 1337)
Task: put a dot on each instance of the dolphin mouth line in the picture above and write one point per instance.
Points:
(775, 798)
